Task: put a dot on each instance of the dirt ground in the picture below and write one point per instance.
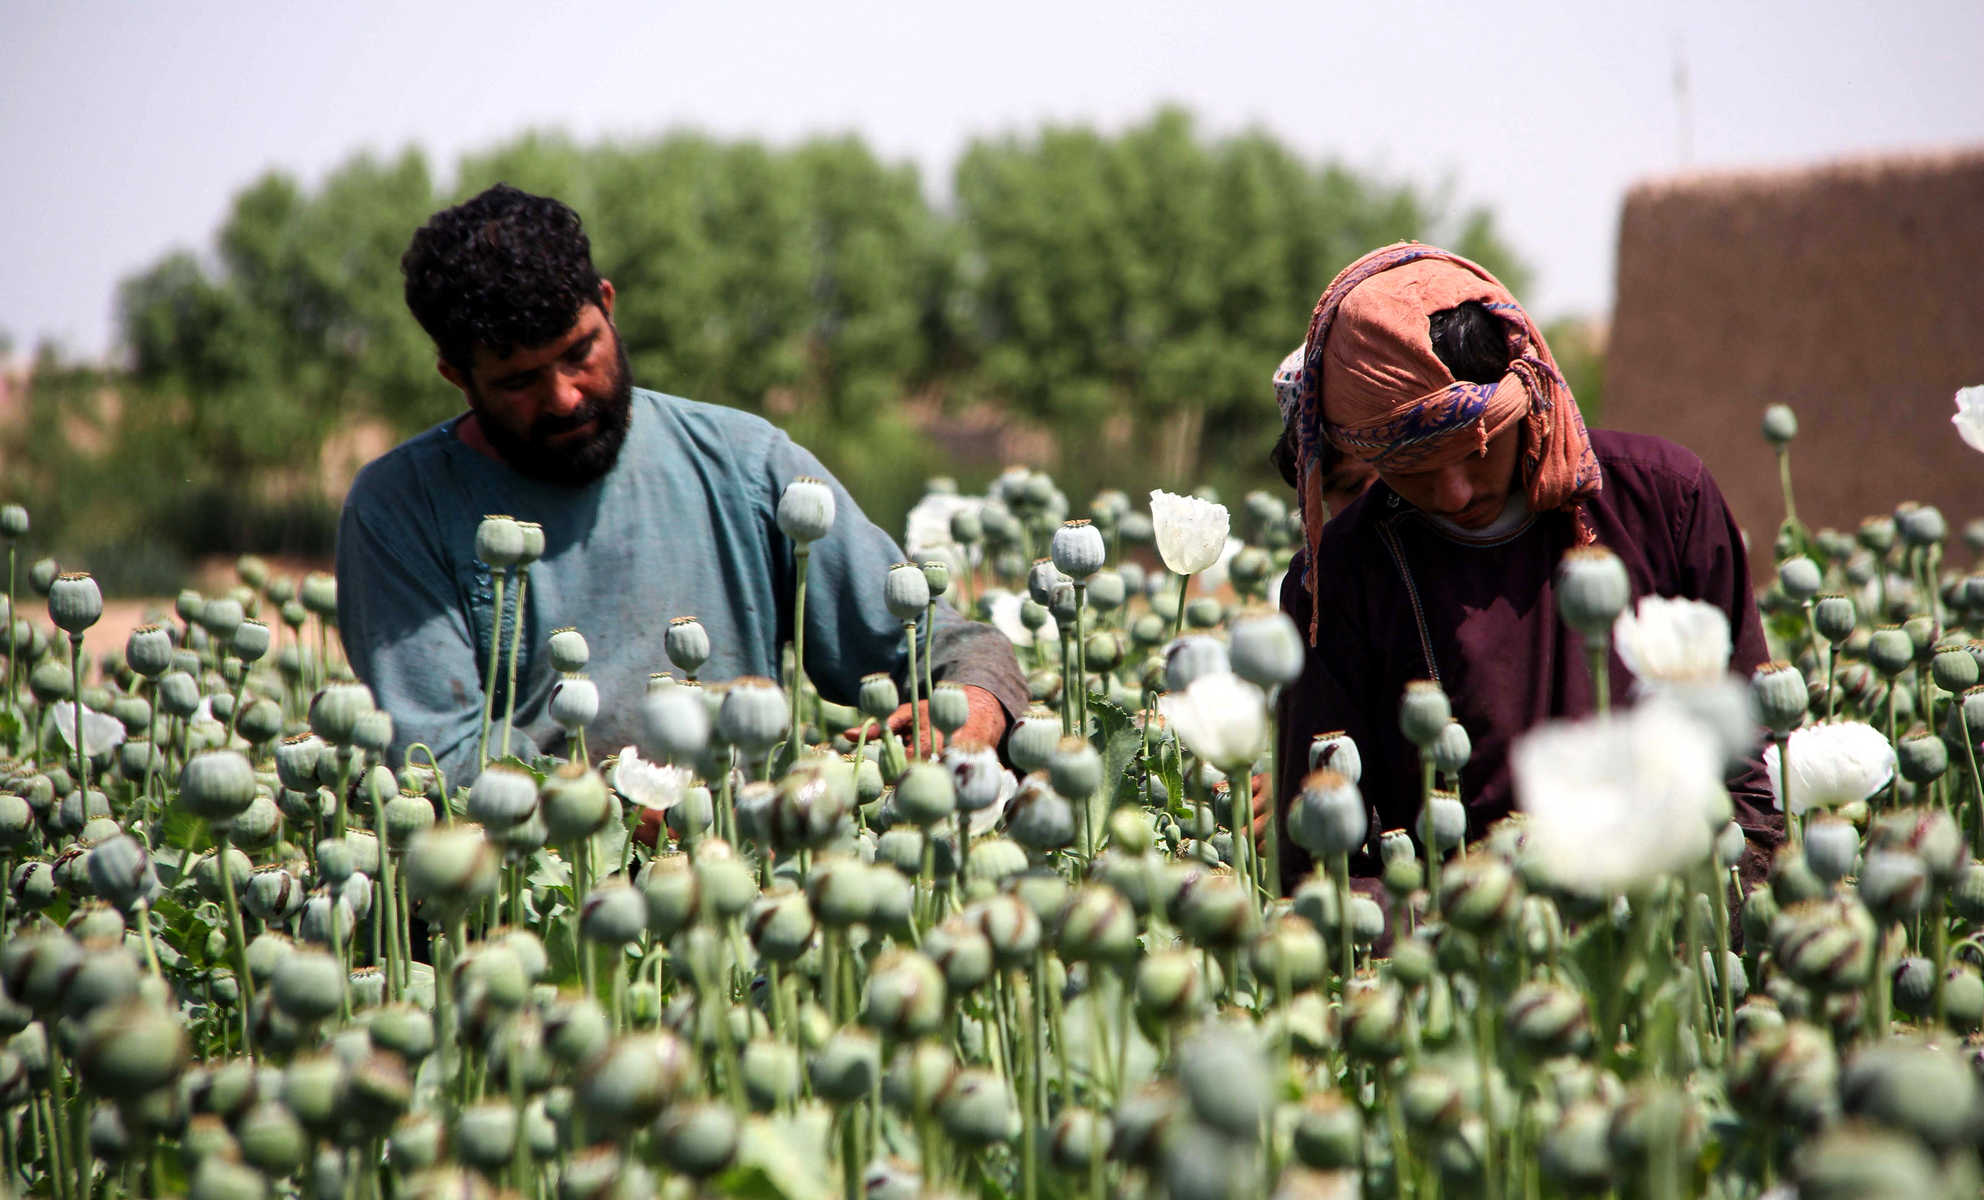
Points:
(122, 615)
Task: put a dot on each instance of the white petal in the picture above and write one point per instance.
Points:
(1832, 763)
(1673, 639)
(1969, 418)
(1190, 532)
(1221, 718)
(1614, 802)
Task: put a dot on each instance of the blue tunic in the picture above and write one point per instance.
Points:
(684, 524)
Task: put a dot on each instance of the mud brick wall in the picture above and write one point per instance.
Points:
(1852, 291)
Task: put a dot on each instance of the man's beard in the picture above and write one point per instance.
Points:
(539, 454)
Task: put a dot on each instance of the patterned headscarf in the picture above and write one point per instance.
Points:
(1370, 383)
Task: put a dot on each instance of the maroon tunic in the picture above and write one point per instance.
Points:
(1404, 600)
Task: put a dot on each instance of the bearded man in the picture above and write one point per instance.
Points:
(1420, 364)
(652, 507)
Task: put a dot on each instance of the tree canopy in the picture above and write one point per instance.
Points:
(1128, 292)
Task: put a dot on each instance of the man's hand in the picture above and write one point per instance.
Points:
(1263, 809)
(984, 724)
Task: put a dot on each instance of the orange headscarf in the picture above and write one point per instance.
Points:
(1371, 384)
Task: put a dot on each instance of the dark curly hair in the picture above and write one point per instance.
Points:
(504, 270)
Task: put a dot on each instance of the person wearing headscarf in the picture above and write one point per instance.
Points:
(1420, 364)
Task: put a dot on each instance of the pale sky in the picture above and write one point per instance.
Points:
(126, 127)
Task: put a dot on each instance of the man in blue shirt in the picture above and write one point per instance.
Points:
(652, 507)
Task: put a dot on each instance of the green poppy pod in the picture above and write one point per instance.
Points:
(950, 707)
(217, 784)
(1424, 712)
(879, 697)
(74, 602)
(148, 650)
(675, 724)
(753, 716)
(846, 1066)
(499, 542)
(120, 871)
(1781, 695)
(179, 695)
(906, 592)
(132, 1048)
(1780, 425)
(13, 522)
(335, 711)
(251, 641)
(1077, 550)
(613, 914)
(502, 796)
(698, 1139)
(1328, 817)
(1034, 739)
(574, 702)
(454, 865)
(634, 1078)
(296, 761)
(925, 794)
(904, 996)
(962, 952)
(806, 510)
(977, 1108)
(569, 651)
(575, 803)
(1266, 650)
(771, 1073)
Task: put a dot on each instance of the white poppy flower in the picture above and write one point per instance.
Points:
(1672, 639)
(1221, 718)
(1005, 609)
(1213, 578)
(1969, 418)
(101, 731)
(1616, 801)
(1832, 763)
(1190, 532)
(653, 786)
